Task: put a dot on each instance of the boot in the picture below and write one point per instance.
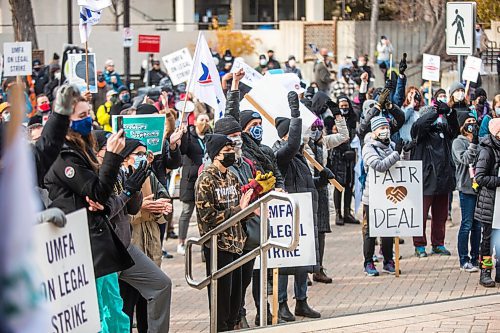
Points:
(243, 323)
(485, 279)
(348, 218)
(284, 312)
(322, 277)
(339, 220)
(303, 309)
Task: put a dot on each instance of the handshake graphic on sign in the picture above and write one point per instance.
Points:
(396, 194)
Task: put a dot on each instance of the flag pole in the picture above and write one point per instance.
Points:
(87, 62)
(190, 81)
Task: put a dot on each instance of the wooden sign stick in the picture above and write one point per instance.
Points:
(396, 254)
(311, 159)
(275, 295)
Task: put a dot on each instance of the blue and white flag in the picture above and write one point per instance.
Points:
(205, 81)
(90, 13)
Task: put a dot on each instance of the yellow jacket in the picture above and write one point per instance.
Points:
(103, 116)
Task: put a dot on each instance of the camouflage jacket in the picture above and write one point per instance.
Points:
(217, 198)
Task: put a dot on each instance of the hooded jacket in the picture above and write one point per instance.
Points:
(487, 167)
(464, 153)
(433, 148)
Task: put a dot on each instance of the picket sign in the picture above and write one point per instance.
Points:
(17, 59)
(471, 71)
(178, 65)
(430, 71)
(251, 75)
(79, 71)
(64, 260)
(311, 159)
(396, 202)
(496, 209)
(148, 128)
(280, 220)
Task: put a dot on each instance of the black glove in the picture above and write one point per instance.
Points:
(409, 146)
(442, 108)
(293, 102)
(390, 84)
(403, 65)
(334, 107)
(326, 174)
(383, 97)
(134, 182)
(475, 135)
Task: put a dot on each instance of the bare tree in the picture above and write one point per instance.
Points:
(23, 21)
(373, 29)
(115, 4)
(435, 13)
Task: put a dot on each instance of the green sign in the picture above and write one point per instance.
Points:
(150, 129)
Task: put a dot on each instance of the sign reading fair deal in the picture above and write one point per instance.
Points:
(65, 261)
(149, 128)
(280, 230)
(396, 199)
(17, 59)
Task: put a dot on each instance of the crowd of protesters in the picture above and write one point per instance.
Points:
(126, 189)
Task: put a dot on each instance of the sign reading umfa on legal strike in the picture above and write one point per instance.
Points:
(395, 200)
(64, 259)
(281, 230)
(149, 129)
(178, 65)
(17, 59)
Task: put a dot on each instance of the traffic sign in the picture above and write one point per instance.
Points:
(128, 37)
(149, 43)
(460, 23)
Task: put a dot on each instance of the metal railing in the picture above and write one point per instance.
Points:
(265, 245)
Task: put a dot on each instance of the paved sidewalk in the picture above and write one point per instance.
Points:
(423, 281)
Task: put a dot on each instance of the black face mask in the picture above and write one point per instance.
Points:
(228, 160)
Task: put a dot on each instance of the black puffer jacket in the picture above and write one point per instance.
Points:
(434, 150)
(69, 181)
(487, 167)
(193, 150)
(323, 205)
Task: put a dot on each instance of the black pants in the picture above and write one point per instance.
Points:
(369, 242)
(337, 199)
(229, 290)
(133, 299)
(486, 240)
(321, 244)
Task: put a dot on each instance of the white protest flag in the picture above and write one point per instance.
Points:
(205, 82)
(90, 13)
(270, 93)
(20, 287)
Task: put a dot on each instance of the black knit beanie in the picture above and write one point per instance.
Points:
(215, 143)
(282, 125)
(247, 116)
(227, 125)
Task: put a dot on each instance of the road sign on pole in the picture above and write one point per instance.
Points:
(460, 24)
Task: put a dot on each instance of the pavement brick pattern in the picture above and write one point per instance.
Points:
(423, 281)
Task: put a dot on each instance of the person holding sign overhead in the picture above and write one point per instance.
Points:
(487, 167)
(378, 153)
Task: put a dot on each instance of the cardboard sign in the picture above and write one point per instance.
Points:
(128, 37)
(431, 65)
(178, 65)
(460, 24)
(270, 94)
(396, 200)
(76, 73)
(65, 261)
(149, 128)
(149, 43)
(17, 59)
(472, 68)
(251, 75)
(38, 55)
(496, 209)
(280, 230)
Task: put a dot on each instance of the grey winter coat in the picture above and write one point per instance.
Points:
(464, 153)
(378, 156)
(487, 167)
(397, 119)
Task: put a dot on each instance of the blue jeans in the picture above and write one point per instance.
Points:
(469, 227)
(300, 285)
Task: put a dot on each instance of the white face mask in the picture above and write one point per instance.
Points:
(239, 144)
(458, 96)
(6, 116)
(384, 134)
(291, 63)
(497, 111)
(262, 62)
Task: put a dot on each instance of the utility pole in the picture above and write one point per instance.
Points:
(70, 21)
(126, 50)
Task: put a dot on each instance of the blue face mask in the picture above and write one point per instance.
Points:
(497, 112)
(125, 98)
(82, 126)
(138, 160)
(256, 132)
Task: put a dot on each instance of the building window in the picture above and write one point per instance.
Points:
(261, 14)
(212, 13)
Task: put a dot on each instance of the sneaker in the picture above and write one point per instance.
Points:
(440, 249)
(172, 235)
(375, 258)
(420, 251)
(166, 255)
(389, 267)
(371, 270)
(468, 267)
(181, 249)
